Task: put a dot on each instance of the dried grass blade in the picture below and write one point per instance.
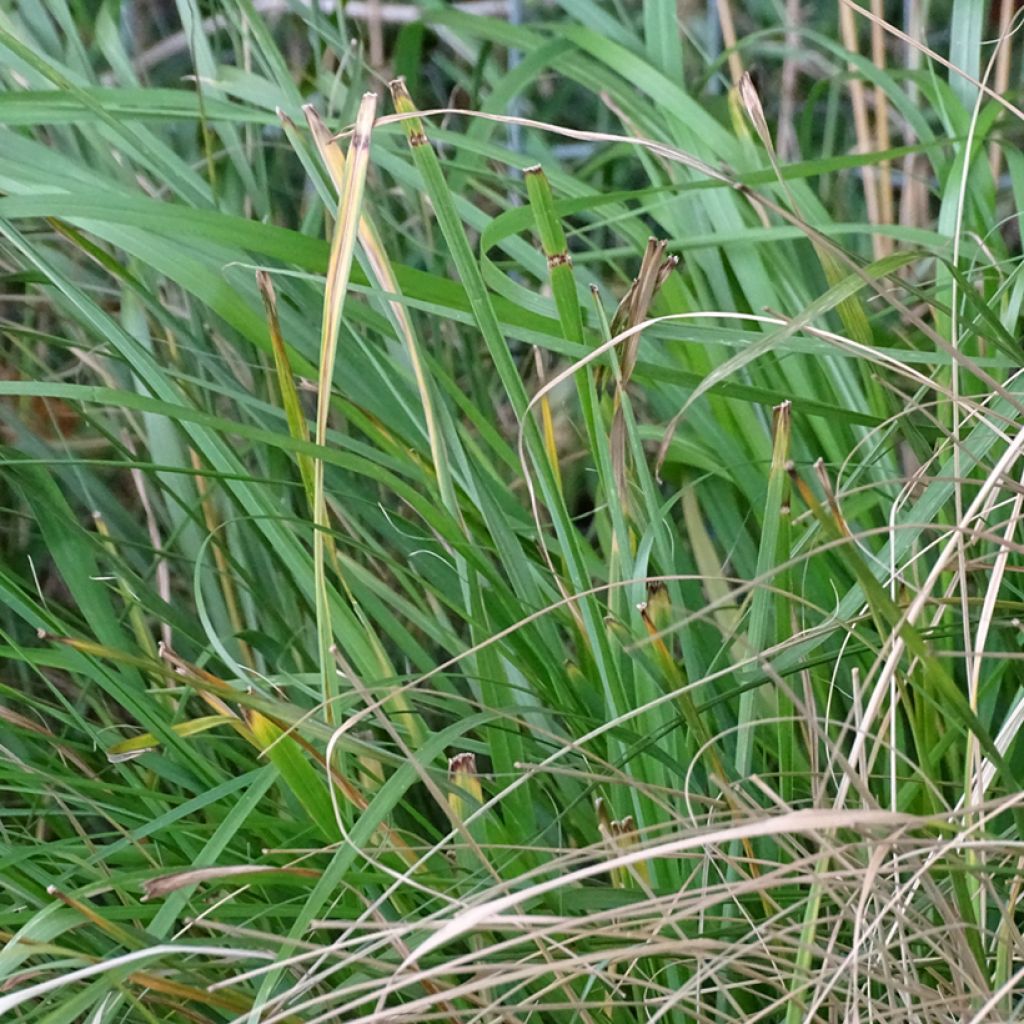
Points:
(338, 270)
(380, 265)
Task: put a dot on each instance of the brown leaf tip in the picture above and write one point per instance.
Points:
(398, 89)
(465, 762)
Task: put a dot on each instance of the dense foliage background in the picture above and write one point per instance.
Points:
(551, 559)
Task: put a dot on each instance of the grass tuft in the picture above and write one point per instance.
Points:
(557, 564)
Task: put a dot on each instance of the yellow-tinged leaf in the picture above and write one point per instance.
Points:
(127, 750)
(465, 782)
(338, 270)
(286, 381)
(126, 936)
(306, 784)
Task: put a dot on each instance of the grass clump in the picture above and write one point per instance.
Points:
(535, 540)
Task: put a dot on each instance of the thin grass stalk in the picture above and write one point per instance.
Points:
(448, 219)
(556, 251)
(224, 576)
(886, 199)
(1001, 76)
(140, 629)
(563, 287)
(763, 598)
(861, 123)
(727, 25)
(621, 564)
(785, 131)
(913, 210)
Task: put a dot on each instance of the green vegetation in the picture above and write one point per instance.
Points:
(548, 558)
